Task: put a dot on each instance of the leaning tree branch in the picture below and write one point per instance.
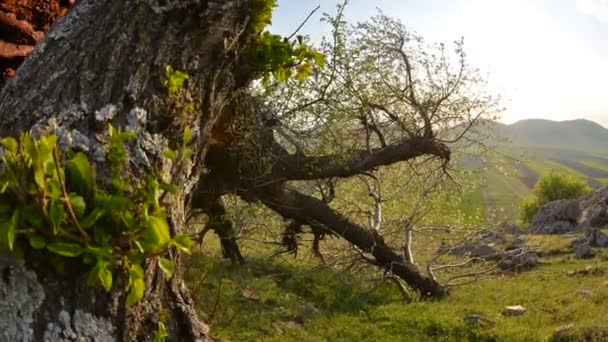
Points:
(298, 167)
(292, 204)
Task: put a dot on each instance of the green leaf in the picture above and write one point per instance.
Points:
(10, 144)
(156, 234)
(187, 135)
(105, 278)
(39, 178)
(56, 213)
(12, 229)
(135, 272)
(169, 154)
(32, 215)
(113, 203)
(136, 285)
(65, 249)
(37, 241)
(49, 167)
(183, 243)
(78, 205)
(79, 174)
(161, 333)
(167, 267)
(135, 293)
(93, 217)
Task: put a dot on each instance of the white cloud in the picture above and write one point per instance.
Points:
(594, 8)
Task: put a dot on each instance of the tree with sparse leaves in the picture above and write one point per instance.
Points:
(139, 116)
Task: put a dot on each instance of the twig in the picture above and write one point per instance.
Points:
(216, 306)
(66, 198)
(303, 23)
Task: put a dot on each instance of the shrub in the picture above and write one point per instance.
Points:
(551, 187)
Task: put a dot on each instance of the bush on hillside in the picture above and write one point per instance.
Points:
(551, 187)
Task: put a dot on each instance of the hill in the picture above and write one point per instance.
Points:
(578, 134)
(528, 148)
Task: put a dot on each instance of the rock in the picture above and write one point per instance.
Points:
(599, 239)
(490, 237)
(473, 249)
(310, 310)
(584, 252)
(512, 229)
(557, 217)
(517, 243)
(514, 310)
(593, 237)
(584, 293)
(21, 294)
(250, 294)
(595, 208)
(477, 320)
(562, 332)
(518, 260)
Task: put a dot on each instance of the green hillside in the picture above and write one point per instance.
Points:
(529, 148)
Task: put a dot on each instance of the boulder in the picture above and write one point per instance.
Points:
(477, 320)
(562, 333)
(593, 237)
(516, 243)
(584, 293)
(594, 208)
(514, 310)
(599, 239)
(517, 260)
(557, 217)
(584, 251)
(474, 249)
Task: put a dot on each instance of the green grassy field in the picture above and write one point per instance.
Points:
(287, 299)
(594, 164)
(279, 297)
(507, 182)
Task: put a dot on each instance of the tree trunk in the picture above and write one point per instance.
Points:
(104, 63)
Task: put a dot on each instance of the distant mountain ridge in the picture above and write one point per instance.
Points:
(580, 134)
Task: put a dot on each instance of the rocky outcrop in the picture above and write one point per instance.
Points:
(574, 215)
(592, 238)
(557, 217)
(594, 208)
(584, 252)
(517, 260)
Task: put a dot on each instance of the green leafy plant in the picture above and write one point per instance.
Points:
(551, 187)
(174, 79)
(275, 55)
(56, 206)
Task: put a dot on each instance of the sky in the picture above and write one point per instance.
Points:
(546, 58)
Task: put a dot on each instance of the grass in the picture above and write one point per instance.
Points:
(287, 299)
(544, 165)
(504, 191)
(594, 164)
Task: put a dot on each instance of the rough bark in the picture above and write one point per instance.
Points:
(104, 63)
